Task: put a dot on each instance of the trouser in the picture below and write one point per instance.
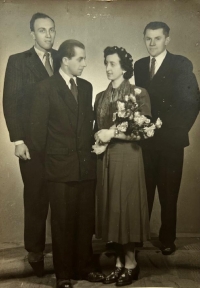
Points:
(163, 169)
(36, 202)
(72, 223)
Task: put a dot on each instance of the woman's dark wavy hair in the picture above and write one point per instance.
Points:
(126, 60)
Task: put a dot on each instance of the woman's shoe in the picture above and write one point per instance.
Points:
(114, 275)
(128, 276)
(95, 277)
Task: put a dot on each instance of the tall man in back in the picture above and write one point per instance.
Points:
(174, 96)
(62, 125)
(23, 71)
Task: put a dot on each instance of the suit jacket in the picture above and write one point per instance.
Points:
(22, 72)
(174, 96)
(63, 129)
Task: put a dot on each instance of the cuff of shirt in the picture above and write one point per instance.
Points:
(19, 142)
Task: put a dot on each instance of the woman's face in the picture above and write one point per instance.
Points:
(113, 67)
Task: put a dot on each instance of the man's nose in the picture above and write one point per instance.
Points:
(152, 43)
(48, 34)
(84, 63)
(107, 67)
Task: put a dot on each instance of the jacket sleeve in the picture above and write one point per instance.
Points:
(185, 107)
(39, 117)
(13, 91)
(137, 71)
(144, 103)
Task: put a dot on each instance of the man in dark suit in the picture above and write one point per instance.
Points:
(174, 96)
(62, 126)
(23, 71)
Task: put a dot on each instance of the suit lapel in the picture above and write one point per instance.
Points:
(65, 93)
(82, 103)
(56, 64)
(35, 65)
(163, 70)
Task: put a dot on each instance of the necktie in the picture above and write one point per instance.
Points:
(47, 64)
(74, 89)
(152, 69)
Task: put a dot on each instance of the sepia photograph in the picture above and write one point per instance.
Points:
(99, 149)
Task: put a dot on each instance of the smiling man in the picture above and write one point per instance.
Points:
(174, 96)
(62, 125)
(23, 71)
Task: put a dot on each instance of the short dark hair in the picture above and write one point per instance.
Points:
(66, 49)
(126, 60)
(158, 25)
(36, 16)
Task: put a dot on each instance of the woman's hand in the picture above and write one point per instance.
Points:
(104, 135)
(99, 149)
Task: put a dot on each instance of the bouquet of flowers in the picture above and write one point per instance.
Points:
(129, 120)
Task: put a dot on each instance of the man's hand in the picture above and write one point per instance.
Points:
(22, 152)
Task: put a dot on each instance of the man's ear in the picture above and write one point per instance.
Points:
(33, 35)
(65, 61)
(167, 40)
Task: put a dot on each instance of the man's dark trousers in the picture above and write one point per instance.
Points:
(174, 96)
(23, 71)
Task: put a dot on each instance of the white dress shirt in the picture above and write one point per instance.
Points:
(67, 78)
(43, 59)
(159, 60)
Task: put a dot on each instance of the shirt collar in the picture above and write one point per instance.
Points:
(40, 53)
(66, 77)
(160, 57)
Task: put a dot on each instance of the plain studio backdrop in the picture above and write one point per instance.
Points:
(99, 24)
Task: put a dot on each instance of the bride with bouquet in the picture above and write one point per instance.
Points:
(123, 115)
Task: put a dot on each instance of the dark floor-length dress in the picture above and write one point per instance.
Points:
(121, 197)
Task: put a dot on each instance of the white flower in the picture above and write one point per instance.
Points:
(158, 123)
(137, 114)
(140, 120)
(114, 116)
(147, 121)
(137, 91)
(122, 114)
(123, 126)
(138, 137)
(126, 98)
(120, 106)
(131, 117)
(150, 130)
(132, 98)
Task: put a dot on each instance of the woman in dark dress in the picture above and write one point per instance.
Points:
(121, 192)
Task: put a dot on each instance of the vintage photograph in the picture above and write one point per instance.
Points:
(99, 150)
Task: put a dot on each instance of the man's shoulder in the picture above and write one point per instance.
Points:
(181, 59)
(98, 97)
(83, 82)
(21, 55)
(19, 59)
(142, 61)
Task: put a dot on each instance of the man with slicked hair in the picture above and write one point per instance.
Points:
(62, 125)
(22, 72)
(174, 96)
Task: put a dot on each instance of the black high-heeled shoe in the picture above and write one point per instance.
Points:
(114, 275)
(128, 276)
